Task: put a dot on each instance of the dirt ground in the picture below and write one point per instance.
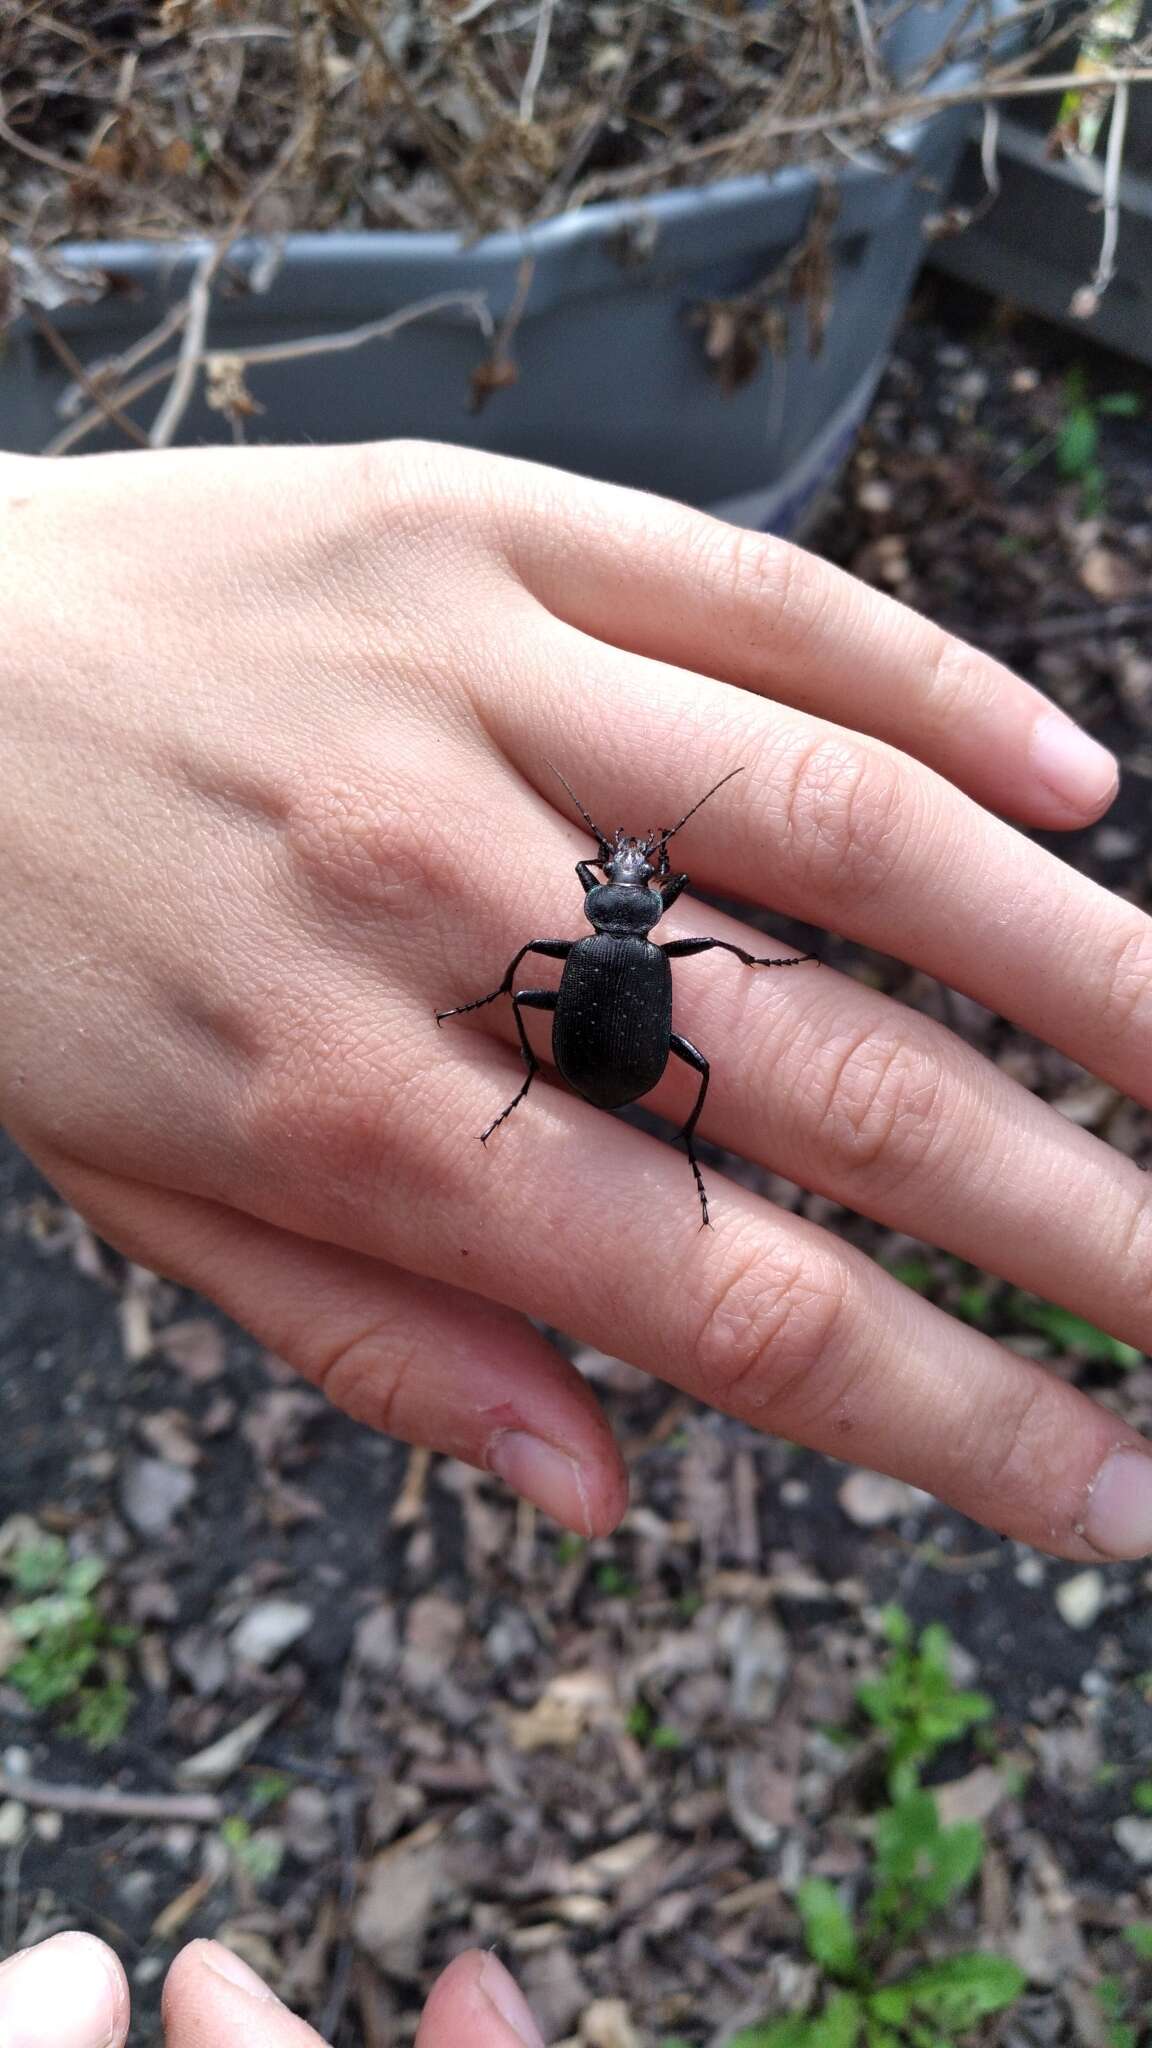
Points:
(444, 1722)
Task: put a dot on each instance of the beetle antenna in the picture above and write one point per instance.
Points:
(673, 829)
(604, 843)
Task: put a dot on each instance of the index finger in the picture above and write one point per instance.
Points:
(661, 580)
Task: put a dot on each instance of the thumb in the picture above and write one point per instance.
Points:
(69, 1992)
(213, 2000)
(476, 2004)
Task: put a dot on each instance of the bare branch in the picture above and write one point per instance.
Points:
(537, 61)
(179, 394)
(202, 1809)
(1086, 301)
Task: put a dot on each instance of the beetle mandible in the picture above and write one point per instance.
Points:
(612, 1031)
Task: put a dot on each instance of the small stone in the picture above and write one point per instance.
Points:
(1031, 1571)
(1080, 1598)
(376, 1645)
(152, 1494)
(308, 1826)
(48, 1827)
(268, 1629)
(13, 1821)
(875, 495)
(871, 1498)
(1135, 1838)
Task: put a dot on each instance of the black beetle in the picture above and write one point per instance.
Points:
(612, 1030)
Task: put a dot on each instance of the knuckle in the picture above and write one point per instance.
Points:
(843, 817)
(958, 682)
(365, 1376)
(780, 586)
(1021, 1455)
(363, 848)
(1124, 1005)
(767, 1337)
(875, 1101)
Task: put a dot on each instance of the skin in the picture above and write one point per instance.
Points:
(276, 725)
(71, 1992)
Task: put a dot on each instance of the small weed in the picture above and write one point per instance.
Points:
(1142, 1796)
(568, 1547)
(613, 1579)
(258, 1854)
(1071, 1333)
(643, 1725)
(268, 1789)
(915, 1702)
(73, 1654)
(919, 1867)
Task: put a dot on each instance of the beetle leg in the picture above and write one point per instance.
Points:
(531, 999)
(670, 887)
(588, 879)
(679, 949)
(686, 1051)
(553, 949)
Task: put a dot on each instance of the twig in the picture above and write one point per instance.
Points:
(178, 396)
(1087, 299)
(1108, 618)
(75, 368)
(868, 49)
(537, 60)
(866, 114)
(421, 116)
(107, 368)
(287, 351)
(201, 1809)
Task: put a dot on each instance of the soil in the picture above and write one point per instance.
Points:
(615, 1760)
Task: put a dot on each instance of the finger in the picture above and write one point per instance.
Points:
(830, 1083)
(846, 833)
(476, 2004)
(212, 1999)
(411, 1357)
(68, 1992)
(593, 1228)
(661, 580)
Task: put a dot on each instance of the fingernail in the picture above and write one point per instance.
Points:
(549, 1478)
(223, 1963)
(1077, 769)
(66, 1993)
(505, 1994)
(1118, 1521)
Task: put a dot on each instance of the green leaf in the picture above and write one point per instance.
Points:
(828, 1932)
(964, 1989)
(1142, 1796)
(1121, 404)
(1140, 1938)
(915, 1273)
(1076, 448)
(1073, 1334)
(890, 2003)
(877, 2036)
(896, 1625)
(790, 2033)
(37, 1567)
(838, 2026)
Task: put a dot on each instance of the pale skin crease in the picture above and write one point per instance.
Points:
(71, 1992)
(275, 726)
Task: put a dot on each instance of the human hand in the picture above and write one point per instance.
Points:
(71, 1992)
(275, 725)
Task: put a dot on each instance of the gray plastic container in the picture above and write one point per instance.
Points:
(613, 380)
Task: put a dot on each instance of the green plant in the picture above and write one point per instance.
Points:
(1072, 1333)
(643, 1724)
(258, 1854)
(915, 1702)
(919, 1867)
(1075, 443)
(73, 1654)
